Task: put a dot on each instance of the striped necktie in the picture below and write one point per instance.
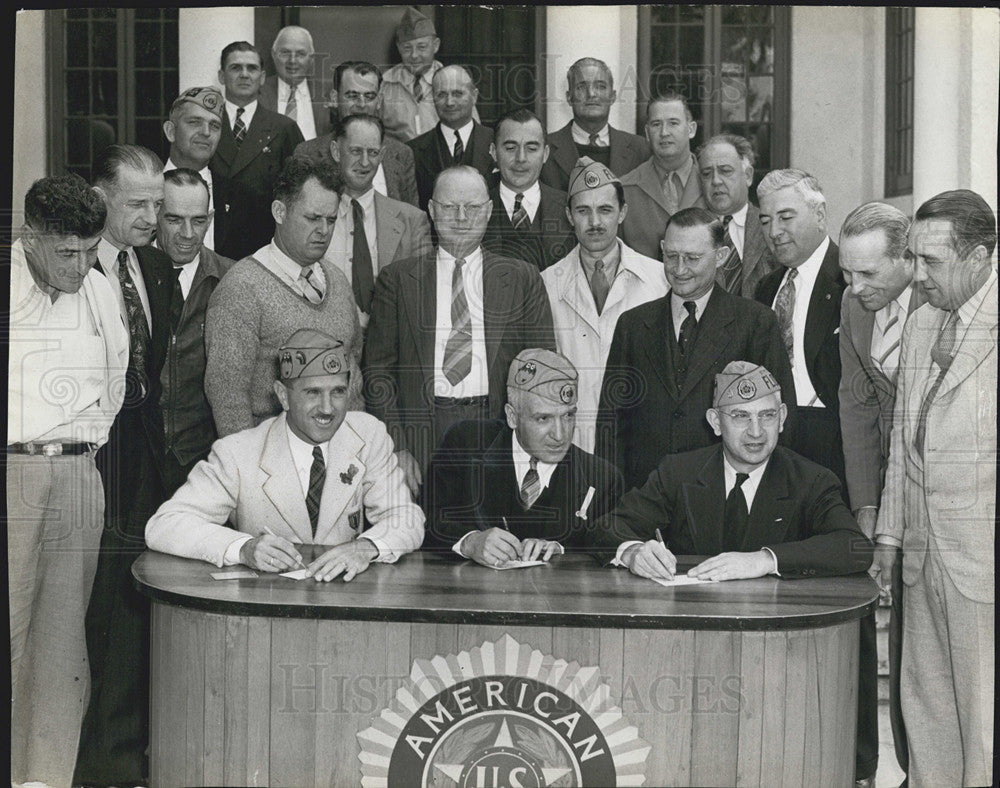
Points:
(292, 107)
(784, 309)
(239, 127)
(459, 150)
(458, 350)
(885, 349)
(310, 290)
(599, 286)
(732, 269)
(531, 487)
(941, 353)
(520, 216)
(317, 477)
(136, 381)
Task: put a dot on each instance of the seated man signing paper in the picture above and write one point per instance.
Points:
(499, 492)
(316, 474)
(757, 508)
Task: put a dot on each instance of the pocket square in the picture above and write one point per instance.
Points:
(836, 330)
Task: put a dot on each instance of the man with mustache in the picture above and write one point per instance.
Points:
(667, 181)
(519, 490)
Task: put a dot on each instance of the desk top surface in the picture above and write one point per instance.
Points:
(573, 590)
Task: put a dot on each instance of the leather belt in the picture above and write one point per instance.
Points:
(457, 402)
(51, 449)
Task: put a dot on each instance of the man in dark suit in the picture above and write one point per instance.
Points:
(521, 490)
(725, 168)
(755, 507)
(457, 138)
(291, 93)
(116, 726)
(357, 91)
(806, 293)
(529, 218)
(445, 327)
(254, 145)
(184, 218)
(667, 181)
(880, 295)
(665, 353)
(591, 92)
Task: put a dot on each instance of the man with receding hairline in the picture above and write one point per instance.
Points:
(457, 139)
(591, 92)
(293, 92)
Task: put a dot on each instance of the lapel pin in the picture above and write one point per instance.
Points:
(348, 477)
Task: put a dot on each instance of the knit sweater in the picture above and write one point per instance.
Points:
(250, 315)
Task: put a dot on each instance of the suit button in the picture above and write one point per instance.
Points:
(678, 414)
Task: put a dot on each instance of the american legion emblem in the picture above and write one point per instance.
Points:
(502, 714)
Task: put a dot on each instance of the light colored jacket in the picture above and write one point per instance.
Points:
(250, 480)
(582, 335)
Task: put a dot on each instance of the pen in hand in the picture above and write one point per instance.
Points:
(268, 530)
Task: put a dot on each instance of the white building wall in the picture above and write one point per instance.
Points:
(202, 34)
(30, 102)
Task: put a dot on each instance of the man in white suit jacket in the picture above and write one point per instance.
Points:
(584, 317)
(316, 474)
(939, 501)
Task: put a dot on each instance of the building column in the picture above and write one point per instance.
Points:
(608, 33)
(984, 89)
(202, 34)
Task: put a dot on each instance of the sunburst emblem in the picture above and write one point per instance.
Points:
(502, 714)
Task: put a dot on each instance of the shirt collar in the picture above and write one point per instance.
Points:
(683, 172)
(302, 451)
(532, 196)
(755, 475)
(448, 133)
(740, 217)
(581, 137)
(23, 284)
(285, 263)
(811, 266)
(366, 200)
(248, 111)
(473, 260)
(968, 310)
(523, 460)
(677, 304)
(285, 89)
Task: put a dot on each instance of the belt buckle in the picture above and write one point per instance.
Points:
(52, 449)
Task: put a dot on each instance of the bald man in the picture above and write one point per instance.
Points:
(294, 93)
(457, 138)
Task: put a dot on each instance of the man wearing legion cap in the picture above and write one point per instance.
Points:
(498, 491)
(755, 507)
(316, 474)
(592, 286)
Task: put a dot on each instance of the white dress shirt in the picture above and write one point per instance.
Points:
(448, 135)
(288, 271)
(248, 112)
(738, 229)
(107, 255)
(341, 249)
(206, 174)
(678, 313)
(303, 106)
(749, 489)
(187, 273)
(379, 184)
(530, 202)
(581, 137)
(805, 394)
(476, 383)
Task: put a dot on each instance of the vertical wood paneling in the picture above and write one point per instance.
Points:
(296, 693)
(811, 774)
(715, 718)
(215, 700)
(612, 660)
(236, 701)
(795, 709)
(259, 702)
(753, 699)
(772, 751)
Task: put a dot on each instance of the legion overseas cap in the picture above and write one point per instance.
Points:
(308, 353)
(206, 98)
(742, 382)
(589, 174)
(413, 25)
(544, 373)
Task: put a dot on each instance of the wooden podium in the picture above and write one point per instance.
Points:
(269, 681)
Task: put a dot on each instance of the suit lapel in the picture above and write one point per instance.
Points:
(420, 299)
(660, 334)
(621, 151)
(498, 298)
(226, 150)
(158, 276)
(282, 486)
(975, 343)
(753, 242)
(649, 182)
(345, 473)
(824, 306)
(712, 337)
(499, 492)
(765, 523)
(258, 136)
(705, 501)
(563, 150)
(388, 231)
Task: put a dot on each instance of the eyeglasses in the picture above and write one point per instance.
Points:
(450, 211)
(743, 419)
(673, 258)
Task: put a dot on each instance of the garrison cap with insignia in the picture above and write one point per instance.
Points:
(589, 174)
(207, 98)
(742, 382)
(413, 25)
(545, 373)
(308, 353)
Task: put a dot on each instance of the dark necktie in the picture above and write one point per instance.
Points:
(362, 276)
(459, 148)
(458, 351)
(599, 286)
(594, 141)
(317, 476)
(784, 309)
(941, 353)
(418, 90)
(688, 328)
(176, 301)
(737, 515)
(531, 487)
(136, 384)
(520, 216)
(732, 269)
(239, 127)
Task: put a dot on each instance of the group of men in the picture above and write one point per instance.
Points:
(386, 325)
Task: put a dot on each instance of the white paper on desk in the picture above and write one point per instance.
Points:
(234, 574)
(296, 574)
(520, 564)
(681, 580)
